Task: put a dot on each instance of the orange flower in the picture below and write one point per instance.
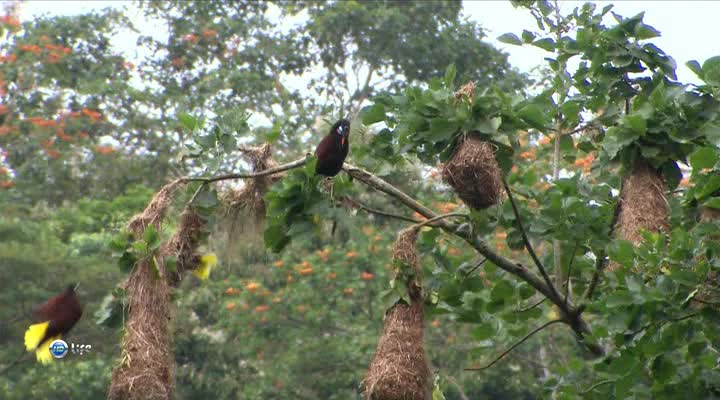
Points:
(83, 134)
(63, 136)
(367, 230)
(262, 308)
(377, 238)
(104, 150)
(3, 109)
(305, 264)
(306, 271)
(278, 263)
(351, 254)
(231, 291)
(545, 140)
(302, 308)
(44, 39)
(209, 33)
(290, 279)
(52, 153)
(93, 115)
(454, 251)
(501, 235)
(7, 184)
(190, 38)
(276, 300)
(230, 305)
(435, 323)
(66, 50)
(331, 276)
(367, 276)
(348, 291)
(252, 286)
(10, 21)
(527, 155)
(178, 62)
(127, 65)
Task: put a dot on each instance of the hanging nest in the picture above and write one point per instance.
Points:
(243, 210)
(400, 369)
(474, 174)
(147, 367)
(183, 245)
(643, 205)
(708, 214)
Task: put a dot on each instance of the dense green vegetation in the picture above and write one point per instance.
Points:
(295, 306)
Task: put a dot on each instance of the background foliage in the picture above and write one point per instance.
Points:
(87, 137)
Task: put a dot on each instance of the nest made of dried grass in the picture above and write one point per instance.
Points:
(243, 210)
(708, 214)
(643, 205)
(184, 244)
(400, 369)
(147, 367)
(474, 174)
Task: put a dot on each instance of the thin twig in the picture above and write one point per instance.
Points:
(361, 206)
(511, 348)
(528, 308)
(197, 192)
(436, 218)
(528, 246)
(597, 385)
(478, 265)
(569, 273)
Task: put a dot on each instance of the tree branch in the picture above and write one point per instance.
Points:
(528, 246)
(356, 204)
(258, 174)
(514, 346)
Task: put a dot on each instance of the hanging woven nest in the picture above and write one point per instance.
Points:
(183, 245)
(400, 369)
(643, 205)
(474, 174)
(243, 210)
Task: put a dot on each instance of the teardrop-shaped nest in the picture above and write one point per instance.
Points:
(400, 369)
(474, 174)
(643, 206)
(183, 245)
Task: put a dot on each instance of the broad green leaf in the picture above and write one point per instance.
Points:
(713, 202)
(510, 38)
(528, 36)
(643, 31)
(534, 115)
(151, 237)
(450, 73)
(619, 299)
(695, 67)
(546, 44)
(484, 331)
(704, 157)
(372, 114)
(711, 71)
(622, 252)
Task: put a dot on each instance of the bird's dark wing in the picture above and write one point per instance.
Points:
(325, 148)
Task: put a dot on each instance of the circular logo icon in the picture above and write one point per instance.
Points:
(58, 348)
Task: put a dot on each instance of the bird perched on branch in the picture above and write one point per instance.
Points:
(333, 149)
(56, 318)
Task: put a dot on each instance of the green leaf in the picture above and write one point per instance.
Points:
(485, 331)
(704, 157)
(189, 123)
(151, 237)
(503, 290)
(127, 261)
(619, 299)
(372, 114)
(643, 31)
(622, 252)
(566, 144)
(711, 71)
(140, 247)
(275, 237)
(450, 73)
(546, 44)
(510, 38)
(713, 202)
(636, 123)
(534, 115)
(695, 67)
(171, 263)
(274, 134)
(528, 36)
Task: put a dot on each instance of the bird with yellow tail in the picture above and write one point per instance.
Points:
(206, 263)
(55, 318)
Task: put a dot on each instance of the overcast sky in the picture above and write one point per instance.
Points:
(690, 29)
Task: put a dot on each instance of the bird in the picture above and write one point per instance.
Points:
(333, 149)
(56, 318)
(206, 263)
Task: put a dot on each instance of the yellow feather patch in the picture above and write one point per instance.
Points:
(207, 262)
(34, 335)
(42, 353)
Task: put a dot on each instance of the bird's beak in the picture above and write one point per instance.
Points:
(342, 140)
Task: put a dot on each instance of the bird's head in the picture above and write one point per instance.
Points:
(72, 287)
(342, 129)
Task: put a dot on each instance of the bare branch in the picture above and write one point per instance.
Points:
(356, 204)
(528, 246)
(266, 172)
(597, 385)
(569, 273)
(514, 346)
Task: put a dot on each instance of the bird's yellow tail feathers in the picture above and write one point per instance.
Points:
(33, 336)
(207, 262)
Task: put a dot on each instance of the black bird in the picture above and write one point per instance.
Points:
(333, 149)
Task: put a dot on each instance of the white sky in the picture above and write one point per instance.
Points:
(690, 29)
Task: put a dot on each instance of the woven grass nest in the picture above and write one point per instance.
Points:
(643, 205)
(400, 369)
(474, 174)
